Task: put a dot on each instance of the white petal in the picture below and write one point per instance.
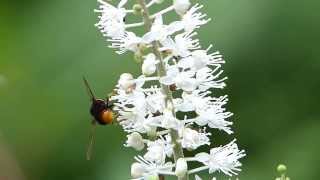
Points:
(174, 27)
(201, 121)
(166, 80)
(186, 63)
(181, 167)
(150, 37)
(137, 170)
(202, 157)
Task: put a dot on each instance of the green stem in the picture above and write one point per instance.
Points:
(161, 70)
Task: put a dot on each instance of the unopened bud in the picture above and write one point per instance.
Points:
(181, 6)
(181, 167)
(138, 56)
(126, 82)
(137, 9)
(149, 64)
(137, 170)
(135, 141)
(282, 168)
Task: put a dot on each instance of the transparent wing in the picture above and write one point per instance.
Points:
(91, 139)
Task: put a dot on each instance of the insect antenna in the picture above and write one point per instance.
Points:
(88, 88)
(91, 139)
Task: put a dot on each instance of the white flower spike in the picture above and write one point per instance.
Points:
(225, 159)
(168, 109)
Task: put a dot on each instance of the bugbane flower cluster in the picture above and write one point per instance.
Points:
(168, 109)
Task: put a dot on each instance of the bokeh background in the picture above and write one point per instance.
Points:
(272, 53)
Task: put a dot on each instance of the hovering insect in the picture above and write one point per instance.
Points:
(101, 111)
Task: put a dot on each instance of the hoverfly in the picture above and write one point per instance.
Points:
(101, 111)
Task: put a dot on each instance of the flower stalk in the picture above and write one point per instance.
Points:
(161, 71)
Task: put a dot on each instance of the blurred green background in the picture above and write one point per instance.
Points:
(272, 53)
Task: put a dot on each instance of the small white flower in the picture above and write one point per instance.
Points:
(184, 80)
(150, 169)
(201, 58)
(156, 152)
(149, 64)
(131, 108)
(182, 45)
(181, 6)
(215, 116)
(193, 19)
(169, 121)
(111, 21)
(126, 82)
(181, 167)
(127, 41)
(192, 139)
(159, 31)
(135, 141)
(137, 170)
(155, 101)
(193, 101)
(207, 78)
(225, 159)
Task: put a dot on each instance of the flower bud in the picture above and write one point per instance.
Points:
(137, 170)
(126, 82)
(137, 9)
(181, 6)
(181, 167)
(135, 141)
(138, 57)
(281, 168)
(149, 64)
